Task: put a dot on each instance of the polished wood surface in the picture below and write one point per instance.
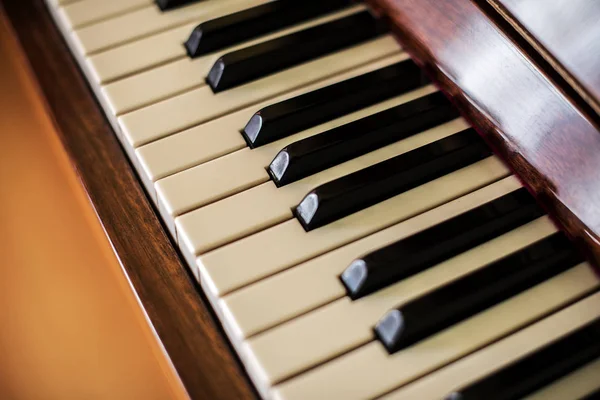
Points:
(202, 357)
(566, 33)
(541, 134)
(71, 327)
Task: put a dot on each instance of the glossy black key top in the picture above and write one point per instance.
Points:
(316, 153)
(595, 395)
(425, 249)
(538, 369)
(254, 62)
(362, 189)
(310, 109)
(459, 300)
(169, 4)
(244, 25)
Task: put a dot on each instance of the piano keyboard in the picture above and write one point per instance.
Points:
(355, 236)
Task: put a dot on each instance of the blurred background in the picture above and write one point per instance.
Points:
(70, 326)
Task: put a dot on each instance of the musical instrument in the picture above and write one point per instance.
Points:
(357, 232)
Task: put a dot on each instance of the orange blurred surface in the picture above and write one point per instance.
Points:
(70, 326)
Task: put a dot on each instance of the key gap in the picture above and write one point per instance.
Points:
(275, 325)
(134, 39)
(215, 247)
(185, 128)
(196, 164)
(140, 71)
(319, 364)
(65, 3)
(158, 100)
(194, 208)
(126, 11)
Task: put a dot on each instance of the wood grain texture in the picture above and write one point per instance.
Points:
(537, 130)
(184, 324)
(566, 33)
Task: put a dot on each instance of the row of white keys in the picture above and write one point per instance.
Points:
(511, 349)
(216, 138)
(251, 310)
(265, 205)
(201, 105)
(245, 261)
(84, 12)
(146, 21)
(246, 168)
(371, 371)
(177, 77)
(336, 328)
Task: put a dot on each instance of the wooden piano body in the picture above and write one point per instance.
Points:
(534, 103)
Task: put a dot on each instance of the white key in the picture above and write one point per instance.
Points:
(246, 261)
(252, 310)
(146, 21)
(370, 371)
(201, 105)
(247, 168)
(327, 332)
(509, 350)
(185, 74)
(576, 385)
(139, 55)
(88, 11)
(216, 138)
(265, 205)
(57, 3)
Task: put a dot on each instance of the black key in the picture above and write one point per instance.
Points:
(459, 300)
(538, 369)
(425, 249)
(362, 189)
(244, 25)
(294, 115)
(595, 395)
(316, 153)
(169, 4)
(254, 62)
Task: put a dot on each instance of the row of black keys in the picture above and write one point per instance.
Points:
(538, 369)
(455, 302)
(257, 61)
(303, 158)
(354, 192)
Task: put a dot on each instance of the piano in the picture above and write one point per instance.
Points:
(333, 199)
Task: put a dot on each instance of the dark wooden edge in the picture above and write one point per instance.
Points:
(541, 134)
(179, 315)
(578, 86)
